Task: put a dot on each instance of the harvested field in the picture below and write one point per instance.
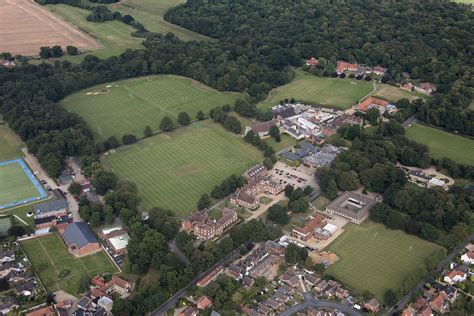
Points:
(26, 26)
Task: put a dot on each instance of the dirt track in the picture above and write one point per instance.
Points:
(26, 26)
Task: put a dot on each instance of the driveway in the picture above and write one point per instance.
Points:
(42, 175)
(310, 301)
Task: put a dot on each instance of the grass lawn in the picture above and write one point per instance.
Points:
(172, 170)
(215, 213)
(150, 13)
(130, 105)
(286, 141)
(338, 93)
(375, 258)
(15, 184)
(21, 212)
(393, 94)
(57, 269)
(443, 144)
(114, 36)
(10, 143)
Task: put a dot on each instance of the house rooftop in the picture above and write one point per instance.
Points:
(79, 233)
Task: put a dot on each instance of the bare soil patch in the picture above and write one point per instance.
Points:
(26, 26)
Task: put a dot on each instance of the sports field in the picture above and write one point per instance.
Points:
(10, 143)
(114, 36)
(57, 269)
(16, 184)
(443, 144)
(172, 170)
(128, 106)
(338, 93)
(375, 258)
(150, 13)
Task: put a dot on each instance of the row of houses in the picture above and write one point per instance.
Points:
(258, 182)
(357, 69)
(426, 88)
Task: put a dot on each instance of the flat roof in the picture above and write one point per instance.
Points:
(340, 205)
(120, 242)
(108, 230)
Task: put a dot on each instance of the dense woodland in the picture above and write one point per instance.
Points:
(430, 41)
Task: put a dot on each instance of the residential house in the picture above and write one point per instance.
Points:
(189, 311)
(343, 66)
(425, 88)
(53, 212)
(43, 311)
(372, 305)
(312, 62)
(8, 304)
(321, 286)
(80, 240)
(439, 304)
(409, 311)
(372, 102)
(27, 288)
(468, 257)
(449, 293)
(7, 63)
(425, 311)
(406, 86)
(7, 256)
(203, 302)
(455, 276)
(342, 293)
(248, 282)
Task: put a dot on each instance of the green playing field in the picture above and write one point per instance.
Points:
(15, 184)
(128, 106)
(172, 170)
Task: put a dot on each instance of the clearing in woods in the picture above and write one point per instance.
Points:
(376, 259)
(150, 13)
(26, 26)
(443, 144)
(59, 270)
(172, 170)
(128, 106)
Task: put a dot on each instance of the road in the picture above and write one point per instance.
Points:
(407, 298)
(310, 301)
(171, 302)
(34, 165)
(409, 121)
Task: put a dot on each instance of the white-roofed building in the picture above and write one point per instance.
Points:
(116, 237)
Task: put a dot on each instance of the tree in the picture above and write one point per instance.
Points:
(104, 181)
(204, 202)
(299, 206)
(75, 188)
(289, 190)
(278, 214)
(331, 190)
(390, 298)
(295, 254)
(112, 142)
(232, 124)
(128, 139)
(16, 231)
(4, 284)
(184, 118)
(373, 116)
(429, 232)
(308, 190)
(147, 132)
(200, 115)
(274, 132)
(166, 124)
(268, 163)
(72, 50)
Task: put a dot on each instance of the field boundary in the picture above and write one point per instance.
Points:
(42, 193)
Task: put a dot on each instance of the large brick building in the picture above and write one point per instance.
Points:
(204, 227)
(80, 240)
(53, 212)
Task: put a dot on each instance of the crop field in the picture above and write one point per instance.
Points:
(172, 170)
(128, 106)
(393, 94)
(114, 36)
(443, 144)
(375, 258)
(332, 92)
(10, 143)
(150, 13)
(16, 186)
(26, 26)
(57, 269)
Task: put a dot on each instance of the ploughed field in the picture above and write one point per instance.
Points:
(59, 270)
(443, 144)
(376, 259)
(128, 106)
(172, 170)
(26, 26)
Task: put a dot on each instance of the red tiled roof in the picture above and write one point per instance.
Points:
(369, 101)
(455, 273)
(312, 61)
(204, 302)
(311, 225)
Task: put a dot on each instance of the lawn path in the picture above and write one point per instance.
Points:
(51, 261)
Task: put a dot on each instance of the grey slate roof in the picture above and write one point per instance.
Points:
(50, 206)
(79, 233)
